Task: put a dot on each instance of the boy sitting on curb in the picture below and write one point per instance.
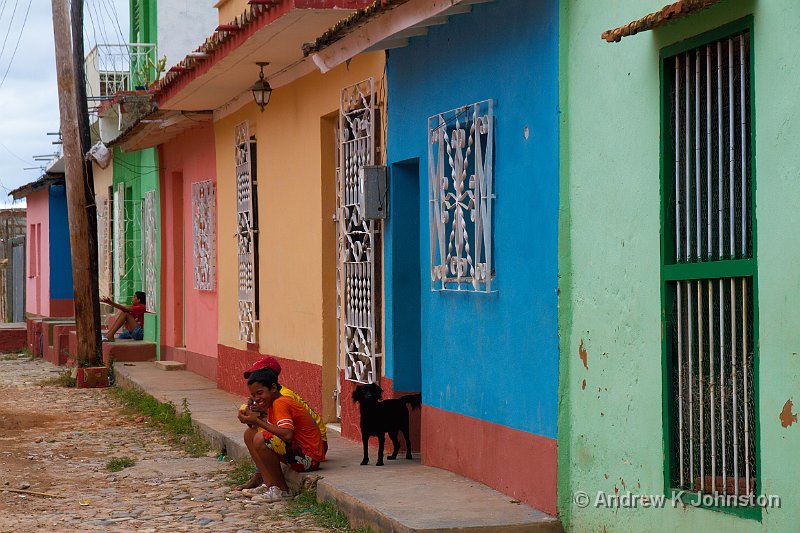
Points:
(273, 364)
(288, 435)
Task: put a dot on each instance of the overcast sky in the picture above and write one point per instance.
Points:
(28, 93)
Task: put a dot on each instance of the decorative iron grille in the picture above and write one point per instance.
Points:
(128, 245)
(460, 179)
(119, 240)
(104, 246)
(712, 349)
(150, 248)
(204, 235)
(112, 68)
(356, 236)
(246, 235)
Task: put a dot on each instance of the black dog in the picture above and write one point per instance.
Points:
(381, 417)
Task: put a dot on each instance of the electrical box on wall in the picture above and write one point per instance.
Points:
(373, 187)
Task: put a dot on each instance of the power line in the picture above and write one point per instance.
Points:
(14, 54)
(114, 16)
(2, 8)
(15, 155)
(100, 23)
(93, 25)
(8, 31)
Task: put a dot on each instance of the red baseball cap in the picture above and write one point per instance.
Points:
(265, 362)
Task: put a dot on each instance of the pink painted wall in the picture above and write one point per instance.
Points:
(37, 298)
(189, 316)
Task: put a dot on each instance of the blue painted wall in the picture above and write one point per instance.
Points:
(60, 251)
(489, 356)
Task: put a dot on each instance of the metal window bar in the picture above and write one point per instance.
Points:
(461, 197)
(111, 68)
(204, 235)
(246, 235)
(119, 240)
(358, 239)
(113, 82)
(104, 260)
(712, 354)
(127, 254)
(149, 252)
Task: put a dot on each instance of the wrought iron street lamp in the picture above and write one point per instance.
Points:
(261, 89)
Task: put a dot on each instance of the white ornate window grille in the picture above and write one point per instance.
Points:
(128, 245)
(246, 236)
(461, 194)
(119, 240)
(150, 246)
(104, 260)
(357, 281)
(204, 235)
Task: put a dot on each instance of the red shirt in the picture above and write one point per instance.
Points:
(137, 312)
(287, 413)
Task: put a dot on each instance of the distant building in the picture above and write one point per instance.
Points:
(12, 265)
(48, 253)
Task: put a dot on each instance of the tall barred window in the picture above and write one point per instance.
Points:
(709, 268)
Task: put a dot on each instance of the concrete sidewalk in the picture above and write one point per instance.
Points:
(403, 496)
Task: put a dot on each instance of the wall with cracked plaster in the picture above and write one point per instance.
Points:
(611, 397)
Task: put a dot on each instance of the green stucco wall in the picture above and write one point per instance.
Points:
(138, 171)
(146, 29)
(611, 427)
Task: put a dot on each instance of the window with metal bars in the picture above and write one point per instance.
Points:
(709, 268)
(136, 20)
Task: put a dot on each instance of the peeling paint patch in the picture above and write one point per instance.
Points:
(583, 385)
(787, 418)
(584, 356)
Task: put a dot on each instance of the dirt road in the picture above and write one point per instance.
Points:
(58, 441)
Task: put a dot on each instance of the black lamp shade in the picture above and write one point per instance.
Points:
(261, 93)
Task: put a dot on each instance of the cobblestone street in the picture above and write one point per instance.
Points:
(58, 441)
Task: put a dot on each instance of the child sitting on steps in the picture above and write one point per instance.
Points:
(130, 316)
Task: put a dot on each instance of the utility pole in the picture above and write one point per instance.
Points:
(80, 197)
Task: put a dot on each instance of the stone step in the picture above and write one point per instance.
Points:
(128, 350)
(13, 337)
(170, 365)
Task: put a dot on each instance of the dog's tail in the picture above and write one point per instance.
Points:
(414, 400)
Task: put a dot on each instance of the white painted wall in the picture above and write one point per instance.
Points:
(183, 25)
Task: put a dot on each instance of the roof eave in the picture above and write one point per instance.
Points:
(374, 28)
(36, 185)
(665, 15)
(223, 42)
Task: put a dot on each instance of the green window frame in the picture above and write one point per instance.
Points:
(709, 270)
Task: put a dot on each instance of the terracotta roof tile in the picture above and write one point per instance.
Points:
(350, 23)
(30, 188)
(223, 34)
(675, 11)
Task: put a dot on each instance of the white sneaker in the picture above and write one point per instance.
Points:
(261, 489)
(273, 494)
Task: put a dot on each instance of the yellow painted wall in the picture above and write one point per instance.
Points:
(103, 179)
(230, 9)
(295, 204)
